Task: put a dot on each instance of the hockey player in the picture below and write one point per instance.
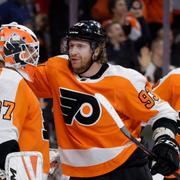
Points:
(90, 143)
(21, 123)
(168, 89)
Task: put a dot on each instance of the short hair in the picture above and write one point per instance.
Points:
(111, 5)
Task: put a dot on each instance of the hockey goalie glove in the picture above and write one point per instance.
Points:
(167, 151)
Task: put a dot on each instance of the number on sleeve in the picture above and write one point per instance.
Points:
(148, 98)
(9, 109)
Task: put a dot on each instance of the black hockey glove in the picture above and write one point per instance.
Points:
(167, 151)
(178, 125)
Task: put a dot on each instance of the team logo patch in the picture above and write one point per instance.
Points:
(80, 107)
(12, 44)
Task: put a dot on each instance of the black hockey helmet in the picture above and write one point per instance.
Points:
(88, 30)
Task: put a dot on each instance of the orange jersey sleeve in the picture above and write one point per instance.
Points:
(21, 117)
(40, 85)
(168, 88)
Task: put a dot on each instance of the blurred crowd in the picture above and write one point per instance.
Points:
(134, 31)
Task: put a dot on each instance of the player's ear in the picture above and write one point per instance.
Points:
(96, 53)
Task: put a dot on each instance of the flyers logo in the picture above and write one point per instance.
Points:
(12, 44)
(79, 107)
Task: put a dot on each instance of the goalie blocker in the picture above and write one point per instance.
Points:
(24, 166)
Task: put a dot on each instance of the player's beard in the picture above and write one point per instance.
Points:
(84, 66)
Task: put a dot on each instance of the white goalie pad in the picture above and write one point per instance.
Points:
(24, 166)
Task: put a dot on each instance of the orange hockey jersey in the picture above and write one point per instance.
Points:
(90, 142)
(169, 90)
(20, 115)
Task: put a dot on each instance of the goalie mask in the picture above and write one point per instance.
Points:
(18, 45)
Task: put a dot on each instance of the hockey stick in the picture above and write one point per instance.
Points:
(112, 112)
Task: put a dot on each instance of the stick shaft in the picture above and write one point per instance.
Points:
(112, 112)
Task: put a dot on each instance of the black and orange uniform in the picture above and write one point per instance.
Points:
(169, 90)
(89, 140)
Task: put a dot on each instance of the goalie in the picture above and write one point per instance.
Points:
(21, 123)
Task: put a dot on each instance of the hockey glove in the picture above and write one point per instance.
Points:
(178, 125)
(167, 151)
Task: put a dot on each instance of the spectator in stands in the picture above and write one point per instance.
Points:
(120, 48)
(137, 8)
(119, 12)
(15, 10)
(152, 61)
(100, 11)
(128, 12)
